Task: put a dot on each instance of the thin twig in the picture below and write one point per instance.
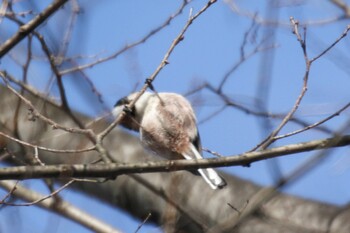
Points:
(229, 103)
(46, 148)
(264, 21)
(265, 194)
(61, 207)
(51, 195)
(29, 27)
(9, 194)
(30, 90)
(149, 80)
(315, 124)
(244, 56)
(295, 24)
(54, 68)
(127, 47)
(344, 34)
(143, 222)
(35, 113)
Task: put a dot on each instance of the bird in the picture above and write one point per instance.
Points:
(167, 126)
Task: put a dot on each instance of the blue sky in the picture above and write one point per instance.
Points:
(211, 46)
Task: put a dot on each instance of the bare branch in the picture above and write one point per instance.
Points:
(43, 198)
(36, 113)
(60, 207)
(315, 124)
(345, 33)
(343, 6)
(149, 80)
(115, 169)
(30, 26)
(127, 47)
(143, 222)
(295, 24)
(46, 148)
(230, 103)
(279, 23)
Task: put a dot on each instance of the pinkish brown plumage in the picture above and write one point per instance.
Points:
(167, 126)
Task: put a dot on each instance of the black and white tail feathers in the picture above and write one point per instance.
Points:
(209, 175)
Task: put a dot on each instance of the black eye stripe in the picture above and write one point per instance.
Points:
(126, 101)
(133, 111)
(122, 101)
(130, 111)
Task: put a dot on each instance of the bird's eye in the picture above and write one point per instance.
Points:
(129, 111)
(122, 101)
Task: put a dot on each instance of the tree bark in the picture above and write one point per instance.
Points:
(177, 201)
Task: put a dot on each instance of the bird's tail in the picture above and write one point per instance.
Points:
(209, 175)
(212, 178)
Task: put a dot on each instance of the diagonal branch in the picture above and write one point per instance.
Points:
(26, 29)
(60, 207)
(129, 46)
(148, 83)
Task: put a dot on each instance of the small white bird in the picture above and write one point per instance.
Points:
(167, 126)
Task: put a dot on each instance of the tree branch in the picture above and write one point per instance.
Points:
(26, 29)
(116, 169)
(60, 207)
(159, 193)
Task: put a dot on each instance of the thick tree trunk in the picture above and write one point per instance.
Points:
(178, 201)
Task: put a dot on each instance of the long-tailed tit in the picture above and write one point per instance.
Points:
(167, 126)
